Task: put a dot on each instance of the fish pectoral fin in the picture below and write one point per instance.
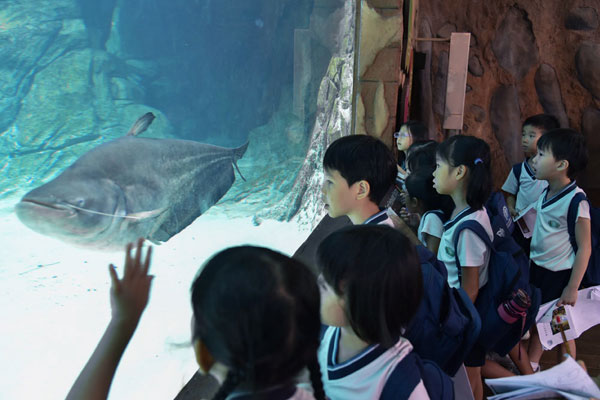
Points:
(146, 214)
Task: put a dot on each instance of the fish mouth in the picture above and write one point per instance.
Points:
(27, 206)
(47, 205)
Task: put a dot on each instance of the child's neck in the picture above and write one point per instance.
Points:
(363, 213)
(557, 184)
(350, 345)
(460, 202)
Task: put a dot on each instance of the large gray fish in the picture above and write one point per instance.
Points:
(131, 187)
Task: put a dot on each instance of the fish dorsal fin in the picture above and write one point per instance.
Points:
(141, 124)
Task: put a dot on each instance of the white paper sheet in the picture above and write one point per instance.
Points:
(582, 317)
(567, 378)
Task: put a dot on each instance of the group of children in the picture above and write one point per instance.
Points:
(261, 318)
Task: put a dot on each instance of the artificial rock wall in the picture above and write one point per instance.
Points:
(526, 57)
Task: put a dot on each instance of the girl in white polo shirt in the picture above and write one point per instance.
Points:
(463, 172)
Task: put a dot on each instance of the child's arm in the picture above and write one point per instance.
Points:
(129, 297)
(511, 201)
(432, 242)
(470, 282)
(582, 258)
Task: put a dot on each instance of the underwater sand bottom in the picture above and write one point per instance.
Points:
(54, 305)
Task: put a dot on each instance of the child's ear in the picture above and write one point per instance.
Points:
(460, 172)
(364, 189)
(203, 356)
(563, 165)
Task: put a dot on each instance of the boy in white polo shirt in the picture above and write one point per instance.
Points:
(359, 170)
(521, 186)
(555, 268)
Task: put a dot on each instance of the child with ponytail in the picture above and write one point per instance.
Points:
(463, 172)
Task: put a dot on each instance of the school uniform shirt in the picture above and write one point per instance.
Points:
(472, 251)
(431, 224)
(381, 218)
(366, 375)
(550, 244)
(527, 189)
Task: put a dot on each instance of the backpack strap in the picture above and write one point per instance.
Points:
(403, 379)
(476, 228)
(572, 217)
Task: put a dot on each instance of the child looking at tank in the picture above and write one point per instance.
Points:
(359, 170)
(433, 209)
(555, 267)
(521, 186)
(371, 286)
(463, 172)
(255, 319)
(410, 132)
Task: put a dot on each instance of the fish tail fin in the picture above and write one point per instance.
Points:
(237, 154)
(141, 124)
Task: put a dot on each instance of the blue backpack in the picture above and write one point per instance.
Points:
(508, 271)
(439, 386)
(498, 212)
(446, 325)
(592, 274)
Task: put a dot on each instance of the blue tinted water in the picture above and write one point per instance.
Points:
(77, 74)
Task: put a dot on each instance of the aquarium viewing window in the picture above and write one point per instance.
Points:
(235, 102)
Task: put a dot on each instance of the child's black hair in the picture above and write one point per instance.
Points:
(566, 144)
(419, 185)
(257, 312)
(543, 122)
(376, 269)
(363, 157)
(421, 154)
(417, 130)
(474, 154)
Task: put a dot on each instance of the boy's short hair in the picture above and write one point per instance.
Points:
(544, 122)
(376, 269)
(363, 157)
(566, 144)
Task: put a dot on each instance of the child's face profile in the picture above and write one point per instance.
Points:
(529, 139)
(332, 306)
(337, 195)
(403, 139)
(545, 166)
(443, 181)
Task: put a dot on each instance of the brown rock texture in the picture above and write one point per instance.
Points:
(546, 52)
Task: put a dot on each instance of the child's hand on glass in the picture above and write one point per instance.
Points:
(129, 295)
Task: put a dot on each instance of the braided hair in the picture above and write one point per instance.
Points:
(257, 312)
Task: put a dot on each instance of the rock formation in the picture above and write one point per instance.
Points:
(535, 56)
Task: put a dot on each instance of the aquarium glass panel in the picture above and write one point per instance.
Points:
(195, 124)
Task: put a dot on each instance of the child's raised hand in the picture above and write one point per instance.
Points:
(568, 297)
(129, 295)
